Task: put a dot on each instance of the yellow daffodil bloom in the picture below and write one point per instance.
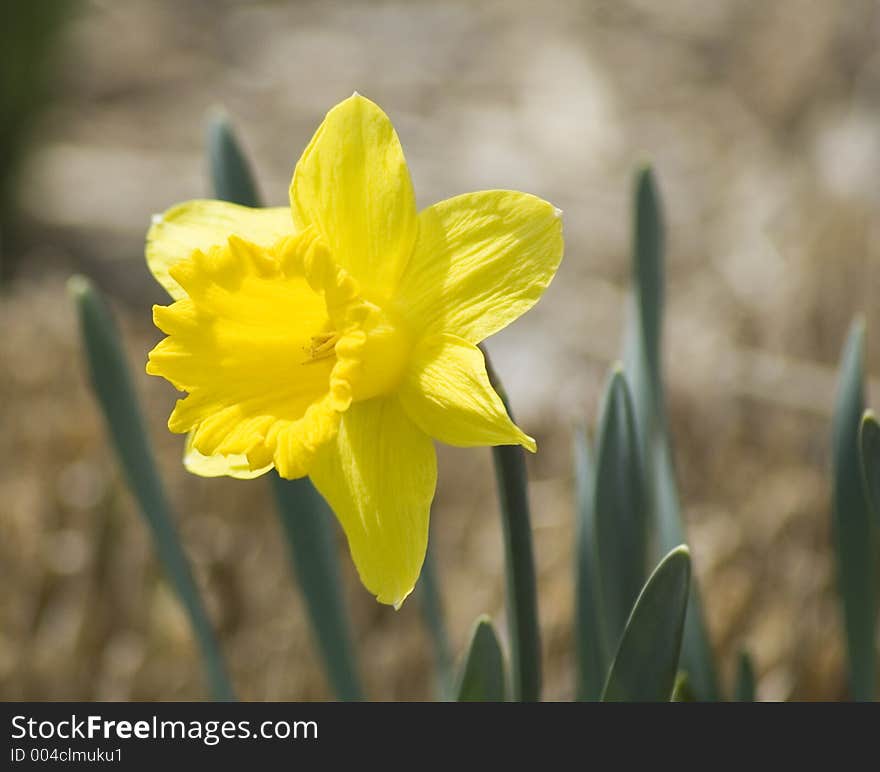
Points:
(337, 338)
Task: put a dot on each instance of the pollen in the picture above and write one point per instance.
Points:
(322, 346)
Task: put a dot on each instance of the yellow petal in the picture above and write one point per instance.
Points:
(379, 477)
(480, 261)
(205, 224)
(447, 393)
(353, 186)
(219, 466)
(245, 344)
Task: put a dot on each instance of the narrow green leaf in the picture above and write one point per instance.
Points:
(644, 367)
(681, 691)
(230, 171)
(697, 657)
(482, 676)
(869, 446)
(308, 527)
(854, 536)
(305, 517)
(116, 396)
(619, 507)
(431, 605)
(522, 601)
(647, 659)
(592, 659)
(649, 266)
(744, 690)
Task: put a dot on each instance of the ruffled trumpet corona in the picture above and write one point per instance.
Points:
(337, 338)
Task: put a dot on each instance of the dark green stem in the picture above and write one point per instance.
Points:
(308, 528)
(522, 603)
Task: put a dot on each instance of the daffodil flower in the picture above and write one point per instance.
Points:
(337, 338)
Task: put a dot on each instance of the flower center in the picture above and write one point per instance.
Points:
(366, 346)
(322, 346)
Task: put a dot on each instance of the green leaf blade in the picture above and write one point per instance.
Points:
(592, 659)
(482, 676)
(231, 175)
(853, 529)
(644, 368)
(649, 239)
(745, 690)
(681, 690)
(117, 399)
(646, 663)
(307, 523)
(869, 449)
(619, 511)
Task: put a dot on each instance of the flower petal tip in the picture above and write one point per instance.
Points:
(399, 603)
(393, 599)
(558, 212)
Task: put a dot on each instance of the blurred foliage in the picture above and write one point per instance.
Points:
(855, 537)
(643, 357)
(744, 688)
(29, 37)
(482, 676)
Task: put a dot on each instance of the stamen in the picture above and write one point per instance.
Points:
(322, 346)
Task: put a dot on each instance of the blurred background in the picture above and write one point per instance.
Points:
(762, 122)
